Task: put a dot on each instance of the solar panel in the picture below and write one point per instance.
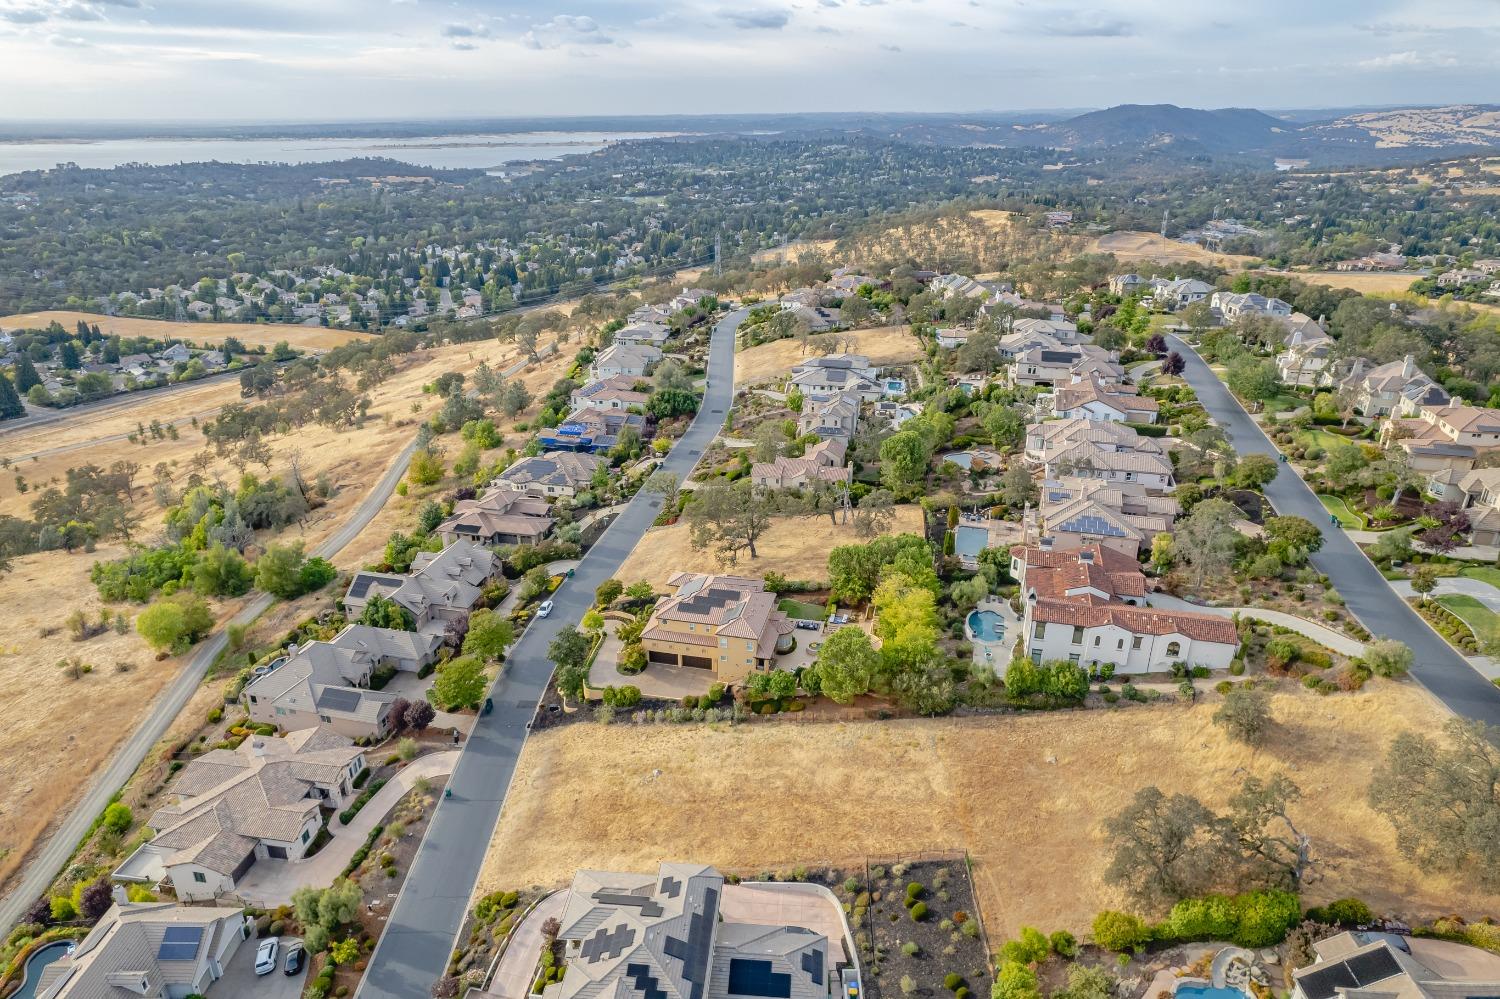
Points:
(757, 978)
(645, 903)
(338, 699)
(608, 943)
(180, 943)
(694, 953)
(1094, 525)
(812, 963)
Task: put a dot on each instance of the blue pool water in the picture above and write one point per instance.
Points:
(1207, 992)
(987, 627)
(37, 963)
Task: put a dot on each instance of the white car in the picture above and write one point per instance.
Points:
(544, 609)
(265, 955)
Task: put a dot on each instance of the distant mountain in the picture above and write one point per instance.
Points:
(1226, 130)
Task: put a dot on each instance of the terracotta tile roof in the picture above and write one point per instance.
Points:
(1137, 620)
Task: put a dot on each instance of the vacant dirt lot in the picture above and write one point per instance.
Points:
(1150, 246)
(796, 547)
(1025, 795)
(882, 345)
(308, 337)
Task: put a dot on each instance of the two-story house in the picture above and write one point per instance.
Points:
(728, 625)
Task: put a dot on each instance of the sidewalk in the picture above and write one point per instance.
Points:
(1476, 553)
(271, 882)
(1335, 640)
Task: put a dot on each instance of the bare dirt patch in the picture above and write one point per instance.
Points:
(254, 334)
(1366, 282)
(796, 547)
(882, 345)
(1024, 795)
(1150, 246)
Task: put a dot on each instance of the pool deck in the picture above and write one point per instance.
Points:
(994, 653)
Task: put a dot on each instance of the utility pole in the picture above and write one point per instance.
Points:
(1164, 214)
(718, 258)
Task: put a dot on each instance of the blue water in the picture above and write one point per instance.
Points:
(37, 963)
(987, 627)
(1207, 992)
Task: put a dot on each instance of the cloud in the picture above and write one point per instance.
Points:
(24, 15)
(70, 42)
(566, 29)
(829, 3)
(1087, 24)
(465, 31)
(1410, 59)
(79, 12)
(890, 48)
(757, 20)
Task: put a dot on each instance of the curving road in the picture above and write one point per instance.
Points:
(413, 951)
(48, 861)
(1445, 674)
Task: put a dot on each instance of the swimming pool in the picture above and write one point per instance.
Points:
(987, 626)
(37, 963)
(1207, 992)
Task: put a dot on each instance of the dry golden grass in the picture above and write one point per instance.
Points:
(796, 547)
(1366, 282)
(1150, 246)
(1025, 795)
(253, 334)
(882, 345)
(795, 251)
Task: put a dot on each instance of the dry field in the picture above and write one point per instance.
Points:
(796, 547)
(306, 337)
(1365, 282)
(1025, 795)
(882, 345)
(64, 728)
(795, 251)
(1150, 246)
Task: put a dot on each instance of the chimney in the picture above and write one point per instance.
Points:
(118, 893)
(258, 748)
(1408, 366)
(1086, 556)
(1045, 544)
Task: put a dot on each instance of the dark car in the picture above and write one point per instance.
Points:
(809, 625)
(293, 958)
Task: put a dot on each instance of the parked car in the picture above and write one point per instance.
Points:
(809, 625)
(265, 955)
(544, 609)
(293, 957)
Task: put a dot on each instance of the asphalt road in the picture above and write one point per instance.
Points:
(45, 865)
(1438, 667)
(413, 951)
(40, 417)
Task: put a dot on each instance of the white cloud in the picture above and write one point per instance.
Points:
(1409, 59)
(762, 19)
(567, 30)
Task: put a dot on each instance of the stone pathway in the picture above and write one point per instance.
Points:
(1335, 640)
(271, 882)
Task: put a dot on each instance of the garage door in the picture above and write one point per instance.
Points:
(698, 662)
(276, 852)
(669, 658)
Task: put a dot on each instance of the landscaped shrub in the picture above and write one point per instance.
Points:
(1120, 931)
(1211, 917)
(1063, 943)
(953, 981)
(1265, 917)
(1342, 912)
(911, 948)
(914, 891)
(347, 815)
(919, 912)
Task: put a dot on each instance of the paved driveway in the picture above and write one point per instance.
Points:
(241, 982)
(1369, 597)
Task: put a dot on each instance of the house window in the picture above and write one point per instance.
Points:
(281, 711)
(1036, 656)
(1174, 648)
(305, 835)
(1073, 657)
(198, 877)
(1096, 640)
(1135, 643)
(1120, 644)
(1041, 629)
(723, 643)
(1077, 634)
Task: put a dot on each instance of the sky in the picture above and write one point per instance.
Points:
(298, 60)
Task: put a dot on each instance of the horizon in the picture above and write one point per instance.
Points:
(266, 60)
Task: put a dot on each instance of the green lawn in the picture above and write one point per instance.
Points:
(1322, 439)
(1283, 402)
(1484, 622)
(1483, 573)
(798, 609)
(1347, 517)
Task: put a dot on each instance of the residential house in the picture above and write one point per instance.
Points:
(953, 337)
(1358, 964)
(321, 683)
(1477, 490)
(1091, 399)
(650, 314)
(837, 374)
(1126, 285)
(551, 474)
(1085, 606)
(1231, 305)
(687, 298)
(728, 625)
(1180, 292)
(958, 285)
(151, 949)
(630, 360)
(439, 592)
(591, 430)
(498, 517)
(834, 416)
(822, 462)
(615, 392)
(1063, 331)
(1460, 276)
(643, 334)
(176, 354)
(818, 319)
(667, 936)
(1076, 512)
(1305, 359)
(896, 413)
(1378, 391)
(1043, 367)
(232, 807)
(1047, 439)
(1451, 435)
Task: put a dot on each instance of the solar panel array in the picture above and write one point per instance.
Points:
(1356, 972)
(645, 983)
(608, 944)
(648, 906)
(695, 951)
(1094, 525)
(757, 978)
(704, 603)
(180, 943)
(812, 963)
(338, 699)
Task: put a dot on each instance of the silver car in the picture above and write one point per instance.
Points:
(265, 955)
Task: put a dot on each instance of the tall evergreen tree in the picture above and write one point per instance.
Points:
(68, 354)
(26, 375)
(10, 402)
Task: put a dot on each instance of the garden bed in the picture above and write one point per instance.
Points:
(906, 955)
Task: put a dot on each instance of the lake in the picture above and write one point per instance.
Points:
(469, 152)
